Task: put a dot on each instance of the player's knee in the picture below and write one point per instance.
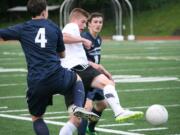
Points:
(34, 118)
(101, 81)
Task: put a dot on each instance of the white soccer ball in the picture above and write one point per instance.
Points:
(156, 114)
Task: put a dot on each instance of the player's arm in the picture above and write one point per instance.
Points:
(101, 69)
(11, 33)
(71, 39)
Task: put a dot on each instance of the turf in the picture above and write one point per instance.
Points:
(132, 61)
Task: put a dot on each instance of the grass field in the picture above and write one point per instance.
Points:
(146, 72)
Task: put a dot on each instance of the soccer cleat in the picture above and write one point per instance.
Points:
(82, 113)
(127, 114)
(90, 132)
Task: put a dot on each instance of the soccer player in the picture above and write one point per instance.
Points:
(95, 23)
(42, 43)
(76, 60)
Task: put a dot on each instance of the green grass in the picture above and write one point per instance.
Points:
(143, 58)
(158, 22)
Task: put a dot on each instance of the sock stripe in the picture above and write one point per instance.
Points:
(109, 95)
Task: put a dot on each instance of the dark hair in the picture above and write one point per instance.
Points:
(78, 12)
(35, 7)
(93, 15)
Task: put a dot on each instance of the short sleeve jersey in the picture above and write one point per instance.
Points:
(94, 53)
(40, 39)
(75, 53)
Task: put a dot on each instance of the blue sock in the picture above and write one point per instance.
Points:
(82, 127)
(92, 124)
(40, 127)
(79, 94)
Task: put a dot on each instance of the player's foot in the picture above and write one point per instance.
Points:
(90, 132)
(127, 114)
(82, 113)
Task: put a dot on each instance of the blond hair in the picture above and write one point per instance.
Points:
(78, 13)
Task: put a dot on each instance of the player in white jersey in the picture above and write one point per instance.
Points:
(92, 78)
(75, 54)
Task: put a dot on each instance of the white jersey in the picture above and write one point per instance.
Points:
(74, 53)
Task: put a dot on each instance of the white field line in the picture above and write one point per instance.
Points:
(3, 107)
(4, 70)
(144, 107)
(9, 59)
(157, 41)
(56, 117)
(11, 84)
(9, 111)
(13, 75)
(122, 91)
(116, 125)
(12, 97)
(26, 110)
(165, 58)
(12, 63)
(149, 129)
(63, 123)
(64, 112)
(145, 69)
(145, 79)
(47, 113)
(13, 53)
(149, 89)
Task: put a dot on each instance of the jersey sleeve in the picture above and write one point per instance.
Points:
(11, 33)
(72, 29)
(60, 44)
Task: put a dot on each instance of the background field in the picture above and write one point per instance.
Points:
(147, 72)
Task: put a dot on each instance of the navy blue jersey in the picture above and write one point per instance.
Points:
(40, 39)
(93, 54)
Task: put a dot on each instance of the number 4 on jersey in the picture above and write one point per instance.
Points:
(40, 37)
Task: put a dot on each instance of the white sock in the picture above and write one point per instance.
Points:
(68, 129)
(112, 98)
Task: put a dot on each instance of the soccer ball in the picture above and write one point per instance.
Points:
(156, 114)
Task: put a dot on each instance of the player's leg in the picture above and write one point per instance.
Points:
(74, 99)
(72, 88)
(78, 101)
(110, 94)
(88, 106)
(99, 105)
(94, 79)
(71, 126)
(38, 99)
(83, 125)
(39, 126)
(96, 97)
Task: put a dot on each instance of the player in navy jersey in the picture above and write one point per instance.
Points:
(42, 43)
(95, 23)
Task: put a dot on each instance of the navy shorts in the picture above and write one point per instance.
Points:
(40, 93)
(95, 95)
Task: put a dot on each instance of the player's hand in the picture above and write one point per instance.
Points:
(87, 43)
